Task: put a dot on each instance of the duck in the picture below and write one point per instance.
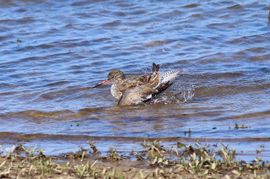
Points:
(139, 89)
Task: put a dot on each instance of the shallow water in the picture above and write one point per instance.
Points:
(51, 53)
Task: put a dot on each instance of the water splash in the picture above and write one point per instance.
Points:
(187, 95)
(182, 96)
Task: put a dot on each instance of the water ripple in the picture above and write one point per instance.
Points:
(53, 52)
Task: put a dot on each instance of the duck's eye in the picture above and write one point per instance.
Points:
(110, 76)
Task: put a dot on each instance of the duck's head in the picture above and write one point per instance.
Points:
(113, 76)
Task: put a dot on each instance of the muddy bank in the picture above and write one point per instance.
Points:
(154, 161)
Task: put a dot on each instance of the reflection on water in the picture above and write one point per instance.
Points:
(51, 53)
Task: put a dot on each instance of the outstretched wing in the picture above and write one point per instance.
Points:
(169, 76)
(166, 80)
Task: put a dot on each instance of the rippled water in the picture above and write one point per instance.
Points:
(51, 53)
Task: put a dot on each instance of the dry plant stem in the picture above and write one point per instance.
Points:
(155, 161)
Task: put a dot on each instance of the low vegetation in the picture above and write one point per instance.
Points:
(154, 161)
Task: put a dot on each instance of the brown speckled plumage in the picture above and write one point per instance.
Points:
(136, 90)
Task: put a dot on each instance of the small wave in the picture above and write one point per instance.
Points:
(114, 23)
(192, 5)
(223, 90)
(255, 115)
(34, 114)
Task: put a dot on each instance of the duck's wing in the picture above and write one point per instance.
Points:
(137, 95)
(138, 89)
(169, 76)
(166, 80)
(152, 79)
(155, 67)
(162, 87)
(162, 81)
(131, 83)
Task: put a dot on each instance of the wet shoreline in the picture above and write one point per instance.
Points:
(154, 160)
(36, 136)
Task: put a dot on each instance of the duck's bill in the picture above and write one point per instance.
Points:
(104, 82)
